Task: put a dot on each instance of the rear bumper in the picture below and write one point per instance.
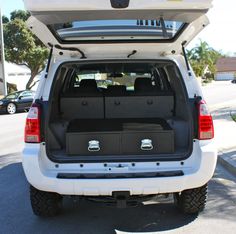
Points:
(42, 174)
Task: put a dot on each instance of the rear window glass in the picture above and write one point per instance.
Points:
(117, 30)
(106, 79)
(116, 74)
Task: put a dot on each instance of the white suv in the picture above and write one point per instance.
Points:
(118, 114)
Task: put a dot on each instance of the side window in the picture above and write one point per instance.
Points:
(26, 95)
(164, 79)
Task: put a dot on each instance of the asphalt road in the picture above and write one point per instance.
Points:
(220, 92)
(86, 217)
(83, 217)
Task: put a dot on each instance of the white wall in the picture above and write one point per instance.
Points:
(224, 76)
(17, 74)
(19, 80)
(1, 88)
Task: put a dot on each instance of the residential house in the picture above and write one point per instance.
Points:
(226, 69)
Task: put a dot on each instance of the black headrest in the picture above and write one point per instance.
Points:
(88, 83)
(116, 90)
(87, 87)
(143, 84)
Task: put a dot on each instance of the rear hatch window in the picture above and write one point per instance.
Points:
(118, 30)
(83, 22)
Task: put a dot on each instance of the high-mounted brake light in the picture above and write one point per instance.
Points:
(205, 122)
(32, 126)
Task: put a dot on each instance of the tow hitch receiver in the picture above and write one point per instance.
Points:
(121, 198)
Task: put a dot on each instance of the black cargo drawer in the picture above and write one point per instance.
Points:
(147, 142)
(93, 143)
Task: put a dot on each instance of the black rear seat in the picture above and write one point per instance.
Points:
(87, 87)
(143, 85)
(116, 90)
(83, 102)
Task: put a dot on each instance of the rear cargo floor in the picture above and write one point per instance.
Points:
(103, 125)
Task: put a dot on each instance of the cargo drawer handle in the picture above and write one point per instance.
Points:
(93, 146)
(146, 144)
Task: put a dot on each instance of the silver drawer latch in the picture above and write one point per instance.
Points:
(93, 146)
(146, 144)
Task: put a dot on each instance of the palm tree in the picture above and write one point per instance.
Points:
(203, 56)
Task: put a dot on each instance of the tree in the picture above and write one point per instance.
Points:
(35, 60)
(20, 14)
(202, 57)
(22, 47)
(5, 20)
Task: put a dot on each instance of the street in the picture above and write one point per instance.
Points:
(11, 138)
(80, 216)
(220, 93)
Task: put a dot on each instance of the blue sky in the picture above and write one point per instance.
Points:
(10, 5)
(220, 34)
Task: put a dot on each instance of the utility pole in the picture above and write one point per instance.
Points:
(2, 59)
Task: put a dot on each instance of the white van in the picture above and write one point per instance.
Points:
(119, 114)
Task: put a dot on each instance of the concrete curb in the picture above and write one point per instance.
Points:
(223, 106)
(10, 158)
(228, 161)
(227, 152)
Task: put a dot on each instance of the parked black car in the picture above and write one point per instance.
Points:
(233, 81)
(17, 101)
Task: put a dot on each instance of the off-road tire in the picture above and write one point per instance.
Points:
(45, 204)
(191, 201)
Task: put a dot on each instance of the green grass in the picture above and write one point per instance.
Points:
(233, 117)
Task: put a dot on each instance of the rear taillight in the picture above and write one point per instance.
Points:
(205, 122)
(32, 126)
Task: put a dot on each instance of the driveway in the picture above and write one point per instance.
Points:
(86, 217)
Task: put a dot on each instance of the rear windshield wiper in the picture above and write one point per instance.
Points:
(163, 26)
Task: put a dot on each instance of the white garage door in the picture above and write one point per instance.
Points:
(225, 76)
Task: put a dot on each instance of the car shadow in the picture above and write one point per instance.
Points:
(146, 218)
(81, 216)
(17, 113)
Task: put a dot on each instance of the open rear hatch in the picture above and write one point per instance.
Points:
(110, 107)
(167, 23)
